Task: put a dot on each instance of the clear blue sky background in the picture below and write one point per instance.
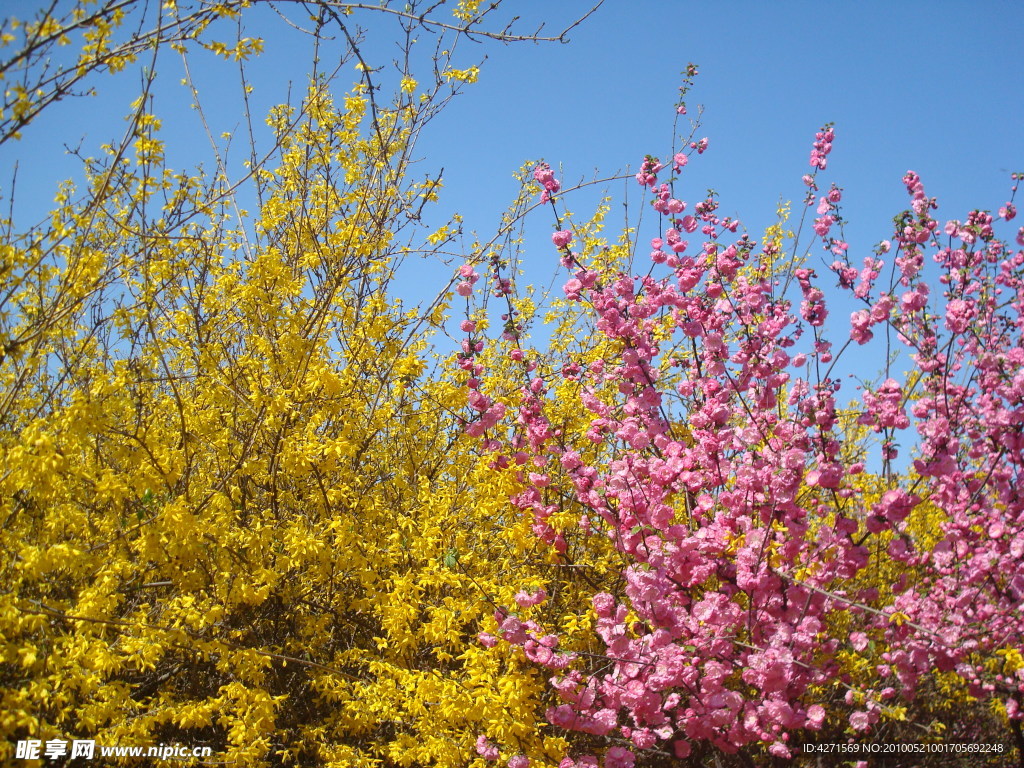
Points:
(933, 86)
(936, 86)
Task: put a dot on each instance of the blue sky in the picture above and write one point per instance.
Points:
(937, 87)
(933, 86)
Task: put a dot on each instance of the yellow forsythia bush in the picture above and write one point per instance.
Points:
(238, 506)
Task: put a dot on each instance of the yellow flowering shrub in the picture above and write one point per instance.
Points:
(239, 509)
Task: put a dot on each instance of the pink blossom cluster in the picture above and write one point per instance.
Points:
(647, 176)
(822, 147)
(544, 176)
(828, 215)
(714, 460)
(663, 201)
(885, 407)
(863, 320)
(469, 277)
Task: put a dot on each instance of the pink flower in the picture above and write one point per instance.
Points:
(572, 289)
(519, 761)
(546, 177)
(674, 242)
(485, 749)
(1012, 707)
(526, 599)
(619, 757)
(513, 630)
(822, 147)
(823, 225)
(562, 716)
(859, 721)
(464, 288)
(562, 239)
(643, 738)
(911, 301)
(648, 174)
(895, 505)
(682, 748)
(958, 315)
(815, 716)
(604, 604)
(780, 750)
(860, 326)
(827, 476)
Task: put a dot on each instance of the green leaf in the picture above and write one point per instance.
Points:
(451, 559)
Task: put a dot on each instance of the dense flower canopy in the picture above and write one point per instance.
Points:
(251, 500)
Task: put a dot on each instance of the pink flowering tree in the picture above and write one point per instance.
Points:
(782, 577)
